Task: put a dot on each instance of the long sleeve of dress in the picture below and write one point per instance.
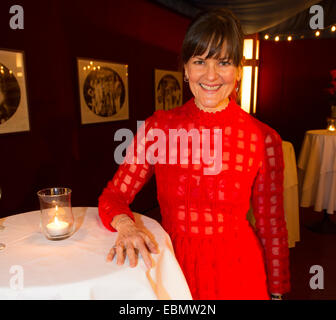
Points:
(269, 214)
(130, 177)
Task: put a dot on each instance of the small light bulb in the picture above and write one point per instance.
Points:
(266, 37)
(277, 38)
(333, 28)
(317, 33)
(289, 38)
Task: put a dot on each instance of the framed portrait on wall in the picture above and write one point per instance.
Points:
(103, 91)
(14, 116)
(168, 89)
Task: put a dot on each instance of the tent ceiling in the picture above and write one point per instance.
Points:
(267, 16)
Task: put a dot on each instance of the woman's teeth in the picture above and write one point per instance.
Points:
(204, 86)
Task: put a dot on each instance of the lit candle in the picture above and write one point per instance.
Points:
(331, 128)
(331, 123)
(57, 227)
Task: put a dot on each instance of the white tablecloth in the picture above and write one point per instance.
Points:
(76, 268)
(290, 195)
(317, 171)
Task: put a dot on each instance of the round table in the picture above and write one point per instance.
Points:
(317, 171)
(33, 267)
(317, 176)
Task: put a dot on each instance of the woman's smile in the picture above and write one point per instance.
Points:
(211, 88)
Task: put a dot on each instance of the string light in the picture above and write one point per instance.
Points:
(288, 37)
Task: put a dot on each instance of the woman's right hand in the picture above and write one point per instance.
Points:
(131, 240)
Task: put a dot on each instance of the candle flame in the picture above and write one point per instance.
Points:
(56, 221)
(56, 214)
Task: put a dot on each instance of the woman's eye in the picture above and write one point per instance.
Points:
(198, 62)
(225, 63)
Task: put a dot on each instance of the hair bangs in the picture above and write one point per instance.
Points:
(216, 33)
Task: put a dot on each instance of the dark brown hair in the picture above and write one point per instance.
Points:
(214, 29)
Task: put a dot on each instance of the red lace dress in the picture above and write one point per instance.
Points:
(204, 213)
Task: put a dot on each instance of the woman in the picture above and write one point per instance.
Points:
(203, 204)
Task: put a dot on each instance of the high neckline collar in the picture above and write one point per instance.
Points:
(195, 112)
(212, 110)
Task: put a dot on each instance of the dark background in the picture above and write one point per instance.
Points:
(59, 151)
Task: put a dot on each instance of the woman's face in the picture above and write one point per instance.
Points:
(211, 80)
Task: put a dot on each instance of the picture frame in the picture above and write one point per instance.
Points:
(14, 115)
(103, 91)
(168, 89)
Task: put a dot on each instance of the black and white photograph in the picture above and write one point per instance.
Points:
(13, 96)
(168, 89)
(103, 90)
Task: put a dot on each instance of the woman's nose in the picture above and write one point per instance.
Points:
(211, 72)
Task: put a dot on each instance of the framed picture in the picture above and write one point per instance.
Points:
(14, 115)
(103, 91)
(168, 89)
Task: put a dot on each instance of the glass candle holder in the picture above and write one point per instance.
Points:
(331, 124)
(57, 220)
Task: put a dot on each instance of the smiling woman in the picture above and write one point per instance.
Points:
(204, 211)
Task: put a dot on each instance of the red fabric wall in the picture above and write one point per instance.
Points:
(58, 150)
(292, 79)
